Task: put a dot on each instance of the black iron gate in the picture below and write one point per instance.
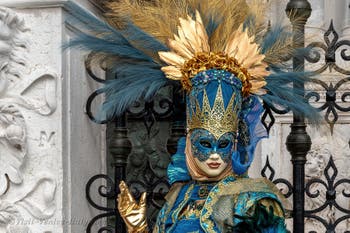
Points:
(167, 110)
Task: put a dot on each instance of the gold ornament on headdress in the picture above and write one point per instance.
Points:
(217, 120)
(193, 50)
(191, 55)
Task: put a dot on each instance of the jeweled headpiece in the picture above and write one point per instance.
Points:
(191, 56)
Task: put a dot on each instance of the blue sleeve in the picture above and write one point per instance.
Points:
(261, 220)
(258, 212)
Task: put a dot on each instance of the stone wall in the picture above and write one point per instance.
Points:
(48, 146)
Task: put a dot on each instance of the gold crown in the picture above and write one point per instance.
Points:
(216, 120)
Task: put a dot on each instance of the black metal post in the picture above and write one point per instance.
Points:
(120, 148)
(178, 121)
(298, 141)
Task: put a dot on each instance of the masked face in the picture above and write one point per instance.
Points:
(211, 155)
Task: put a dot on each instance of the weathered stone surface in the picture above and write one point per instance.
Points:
(48, 146)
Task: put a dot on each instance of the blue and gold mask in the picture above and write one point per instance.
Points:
(204, 144)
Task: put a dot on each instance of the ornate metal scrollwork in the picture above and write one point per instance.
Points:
(151, 111)
(106, 191)
(330, 48)
(287, 189)
(331, 187)
(91, 98)
(268, 119)
(331, 106)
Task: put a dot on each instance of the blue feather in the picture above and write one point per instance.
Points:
(88, 21)
(138, 75)
(211, 26)
(282, 92)
(249, 22)
(276, 34)
(130, 35)
(133, 85)
(143, 39)
(84, 41)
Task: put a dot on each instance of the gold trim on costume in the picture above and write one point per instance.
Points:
(235, 188)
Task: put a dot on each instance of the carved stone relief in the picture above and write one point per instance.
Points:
(12, 126)
(12, 146)
(38, 199)
(21, 197)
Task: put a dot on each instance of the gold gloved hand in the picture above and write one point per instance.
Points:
(133, 214)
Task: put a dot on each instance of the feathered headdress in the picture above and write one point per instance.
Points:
(199, 43)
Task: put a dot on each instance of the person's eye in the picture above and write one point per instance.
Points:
(223, 144)
(205, 143)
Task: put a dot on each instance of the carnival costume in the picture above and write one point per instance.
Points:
(227, 61)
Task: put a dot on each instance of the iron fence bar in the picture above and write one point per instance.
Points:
(298, 141)
(120, 148)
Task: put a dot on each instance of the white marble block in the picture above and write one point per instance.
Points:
(48, 146)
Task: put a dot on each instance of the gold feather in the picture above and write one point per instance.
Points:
(259, 71)
(260, 91)
(158, 18)
(258, 27)
(185, 20)
(172, 58)
(254, 61)
(231, 46)
(192, 39)
(180, 48)
(232, 14)
(202, 33)
(172, 72)
(189, 35)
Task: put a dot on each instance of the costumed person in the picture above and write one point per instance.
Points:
(227, 62)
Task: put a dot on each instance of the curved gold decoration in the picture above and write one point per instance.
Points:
(217, 120)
